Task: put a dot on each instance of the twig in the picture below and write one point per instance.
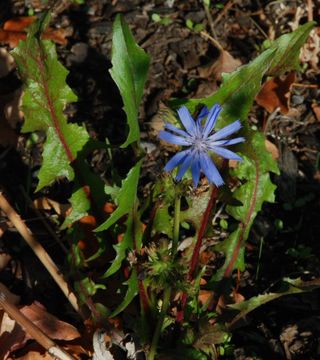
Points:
(53, 349)
(43, 220)
(221, 14)
(310, 10)
(210, 20)
(37, 248)
(213, 40)
(311, 86)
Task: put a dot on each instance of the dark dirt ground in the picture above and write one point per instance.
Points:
(184, 64)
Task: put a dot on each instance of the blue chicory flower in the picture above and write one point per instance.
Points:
(200, 140)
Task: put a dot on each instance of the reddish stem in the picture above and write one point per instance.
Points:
(235, 254)
(244, 225)
(196, 251)
(144, 300)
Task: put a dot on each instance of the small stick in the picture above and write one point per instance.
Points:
(210, 20)
(228, 6)
(37, 248)
(43, 220)
(312, 86)
(310, 10)
(37, 334)
(215, 42)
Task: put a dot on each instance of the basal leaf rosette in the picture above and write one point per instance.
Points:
(45, 97)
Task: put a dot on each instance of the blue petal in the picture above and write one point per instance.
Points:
(211, 120)
(210, 170)
(195, 169)
(203, 113)
(225, 153)
(187, 120)
(172, 128)
(184, 167)
(176, 160)
(173, 139)
(227, 142)
(226, 131)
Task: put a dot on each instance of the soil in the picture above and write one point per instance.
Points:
(185, 63)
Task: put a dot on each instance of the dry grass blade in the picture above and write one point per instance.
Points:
(54, 350)
(37, 248)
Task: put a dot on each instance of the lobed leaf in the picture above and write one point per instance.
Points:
(236, 96)
(45, 96)
(125, 197)
(290, 286)
(129, 71)
(131, 293)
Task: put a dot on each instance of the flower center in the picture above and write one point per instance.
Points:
(199, 144)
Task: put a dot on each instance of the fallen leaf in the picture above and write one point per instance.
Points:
(316, 110)
(211, 73)
(19, 23)
(226, 63)
(14, 30)
(275, 93)
(272, 149)
(34, 355)
(6, 62)
(311, 50)
(45, 203)
(205, 297)
(13, 337)
(237, 297)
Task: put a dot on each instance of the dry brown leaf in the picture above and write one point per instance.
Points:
(311, 50)
(211, 73)
(275, 93)
(237, 297)
(226, 63)
(316, 111)
(14, 30)
(13, 337)
(205, 296)
(6, 62)
(34, 355)
(272, 149)
(45, 203)
(49, 324)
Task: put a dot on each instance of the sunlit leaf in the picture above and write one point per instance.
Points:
(125, 197)
(129, 71)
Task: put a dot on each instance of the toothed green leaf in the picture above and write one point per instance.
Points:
(45, 97)
(125, 197)
(46, 94)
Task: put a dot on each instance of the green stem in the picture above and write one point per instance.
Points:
(167, 291)
(176, 226)
(156, 335)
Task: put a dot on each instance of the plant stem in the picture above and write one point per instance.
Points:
(156, 335)
(197, 247)
(167, 291)
(176, 226)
